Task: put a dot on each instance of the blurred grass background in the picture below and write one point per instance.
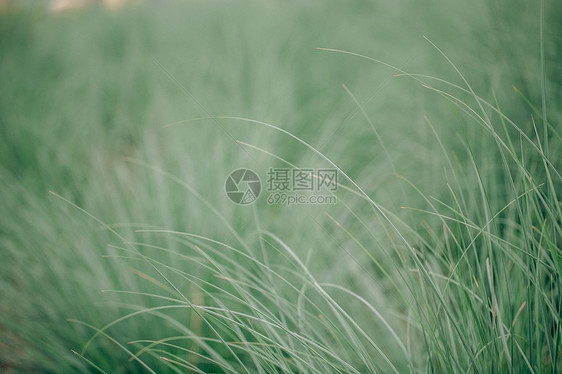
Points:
(86, 95)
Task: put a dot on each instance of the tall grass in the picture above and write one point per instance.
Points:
(442, 254)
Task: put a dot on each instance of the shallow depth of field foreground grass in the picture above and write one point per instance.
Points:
(122, 253)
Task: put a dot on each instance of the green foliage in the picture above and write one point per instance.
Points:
(442, 254)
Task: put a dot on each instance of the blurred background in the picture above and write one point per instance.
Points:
(97, 104)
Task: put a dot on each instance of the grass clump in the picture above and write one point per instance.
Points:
(442, 254)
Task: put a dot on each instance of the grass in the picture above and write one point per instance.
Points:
(442, 254)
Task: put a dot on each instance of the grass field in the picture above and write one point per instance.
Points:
(122, 253)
